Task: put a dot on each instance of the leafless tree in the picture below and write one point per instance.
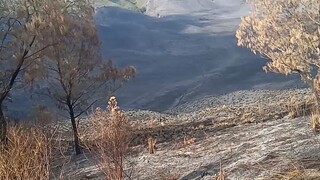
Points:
(21, 46)
(77, 75)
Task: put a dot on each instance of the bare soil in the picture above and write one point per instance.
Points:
(249, 132)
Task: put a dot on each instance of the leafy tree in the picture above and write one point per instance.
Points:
(21, 46)
(287, 33)
(77, 76)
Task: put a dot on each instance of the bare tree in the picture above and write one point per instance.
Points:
(286, 33)
(21, 46)
(77, 76)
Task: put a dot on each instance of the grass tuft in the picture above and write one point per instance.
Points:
(26, 155)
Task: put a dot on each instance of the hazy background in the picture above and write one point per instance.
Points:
(187, 53)
(182, 49)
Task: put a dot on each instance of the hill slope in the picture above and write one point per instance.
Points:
(134, 5)
(188, 53)
(258, 143)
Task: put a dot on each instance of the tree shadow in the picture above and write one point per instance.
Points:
(203, 171)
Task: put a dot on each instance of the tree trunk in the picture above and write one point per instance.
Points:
(3, 126)
(75, 130)
(316, 109)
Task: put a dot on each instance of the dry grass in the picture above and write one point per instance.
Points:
(27, 154)
(299, 107)
(287, 168)
(298, 174)
(109, 143)
(290, 175)
(221, 175)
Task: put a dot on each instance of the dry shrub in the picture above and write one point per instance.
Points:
(247, 113)
(290, 175)
(286, 168)
(298, 174)
(26, 155)
(297, 171)
(297, 108)
(315, 117)
(151, 145)
(150, 123)
(109, 142)
(293, 107)
(188, 140)
(221, 175)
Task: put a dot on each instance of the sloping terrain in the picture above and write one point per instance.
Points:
(255, 151)
(134, 5)
(186, 53)
(258, 143)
